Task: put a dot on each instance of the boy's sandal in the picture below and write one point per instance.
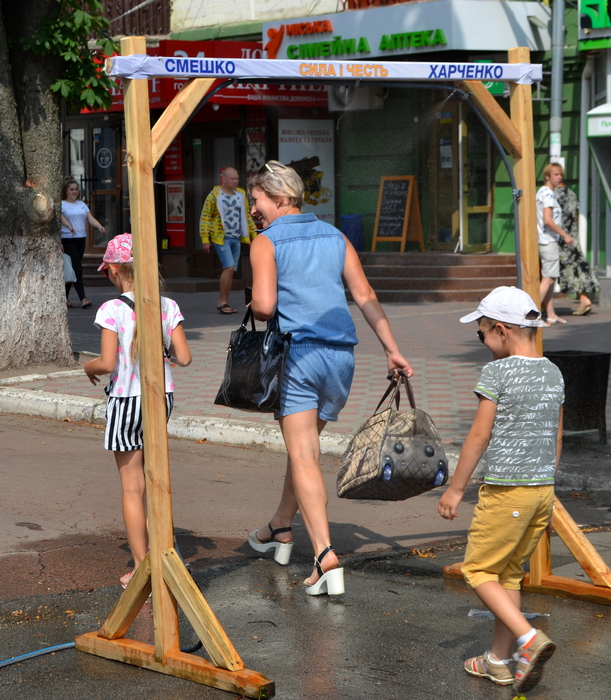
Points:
(226, 309)
(482, 667)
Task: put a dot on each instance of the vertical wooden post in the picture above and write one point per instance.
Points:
(148, 323)
(524, 171)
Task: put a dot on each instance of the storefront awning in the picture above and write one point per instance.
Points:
(142, 66)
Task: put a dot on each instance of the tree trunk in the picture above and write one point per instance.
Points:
(33, 312)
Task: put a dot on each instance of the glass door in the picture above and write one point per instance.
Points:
(105, 194)
(93, 156)
(443, 178)
(476, 183)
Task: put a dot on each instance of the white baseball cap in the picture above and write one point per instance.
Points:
(507, 305)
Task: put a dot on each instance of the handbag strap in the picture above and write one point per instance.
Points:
(272, 325)
(397, 378)
(249, 317)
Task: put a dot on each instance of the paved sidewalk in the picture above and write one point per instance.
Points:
(445, 355)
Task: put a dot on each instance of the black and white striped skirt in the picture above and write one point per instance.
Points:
(124, 422)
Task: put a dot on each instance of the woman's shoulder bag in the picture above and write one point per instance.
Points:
(395, 454)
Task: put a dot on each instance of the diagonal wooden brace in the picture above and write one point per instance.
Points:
(198, 612)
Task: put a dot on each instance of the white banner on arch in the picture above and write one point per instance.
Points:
(142, 66)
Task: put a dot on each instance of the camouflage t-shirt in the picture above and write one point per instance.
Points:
(528, 393)
(232, 215)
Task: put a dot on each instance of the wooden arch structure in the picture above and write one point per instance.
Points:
(163, 572)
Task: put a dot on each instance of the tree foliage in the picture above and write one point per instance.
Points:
(66, 33)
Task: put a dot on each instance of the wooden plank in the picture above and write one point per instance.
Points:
(495, 115)
(569, 588)
(524, 170)
(176, 115)
(129, 604)
(541, 560)
(198, 612)
(148, 313)
(580, 547)
(193, 668)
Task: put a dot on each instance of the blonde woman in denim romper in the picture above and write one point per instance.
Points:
(298, 263)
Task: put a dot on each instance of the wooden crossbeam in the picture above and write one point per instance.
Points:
(495, 115)
(169, 125)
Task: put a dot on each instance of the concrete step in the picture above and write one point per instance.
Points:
(437, 259)
(428, 295)
(440, 272)
(97, 280)
(487, 284)
(193, 285)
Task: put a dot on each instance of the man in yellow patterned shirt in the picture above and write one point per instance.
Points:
(226, 223)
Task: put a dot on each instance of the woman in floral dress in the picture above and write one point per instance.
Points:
(576, 275)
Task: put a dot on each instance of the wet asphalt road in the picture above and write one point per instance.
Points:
(399, 633)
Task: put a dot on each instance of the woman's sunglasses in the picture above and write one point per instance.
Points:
(265, 167)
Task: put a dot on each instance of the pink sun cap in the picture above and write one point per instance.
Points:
(118, 250)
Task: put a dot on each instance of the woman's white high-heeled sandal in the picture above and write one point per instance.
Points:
(331, 582)
(282, 553)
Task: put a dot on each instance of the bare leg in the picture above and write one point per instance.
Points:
(301, 436)
(225, 283)
(283, 517)
(133, 485)
(546, 290)
(502, 643)
(510, 623)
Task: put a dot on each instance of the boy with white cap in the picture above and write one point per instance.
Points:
(519, 423)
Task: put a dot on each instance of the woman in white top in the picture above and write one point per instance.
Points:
(549, 218)
(75, 215)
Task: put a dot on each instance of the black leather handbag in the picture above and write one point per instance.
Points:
(395, 454)
(255, 367)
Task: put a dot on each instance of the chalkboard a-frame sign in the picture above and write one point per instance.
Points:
(398, 215)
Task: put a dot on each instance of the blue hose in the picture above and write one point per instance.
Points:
(34, 654)
(70, 645)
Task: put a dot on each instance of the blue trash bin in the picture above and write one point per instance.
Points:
(351, 225)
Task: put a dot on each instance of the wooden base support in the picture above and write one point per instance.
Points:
(198, 612)
(541, 580)
(551, 585)
(193, 668)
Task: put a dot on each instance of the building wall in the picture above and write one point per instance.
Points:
(195, 14)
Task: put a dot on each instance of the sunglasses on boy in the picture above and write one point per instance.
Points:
(482, 334)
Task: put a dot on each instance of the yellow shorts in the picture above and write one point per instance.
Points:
(507, 524)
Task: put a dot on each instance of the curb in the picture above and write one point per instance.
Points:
(30, 402)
